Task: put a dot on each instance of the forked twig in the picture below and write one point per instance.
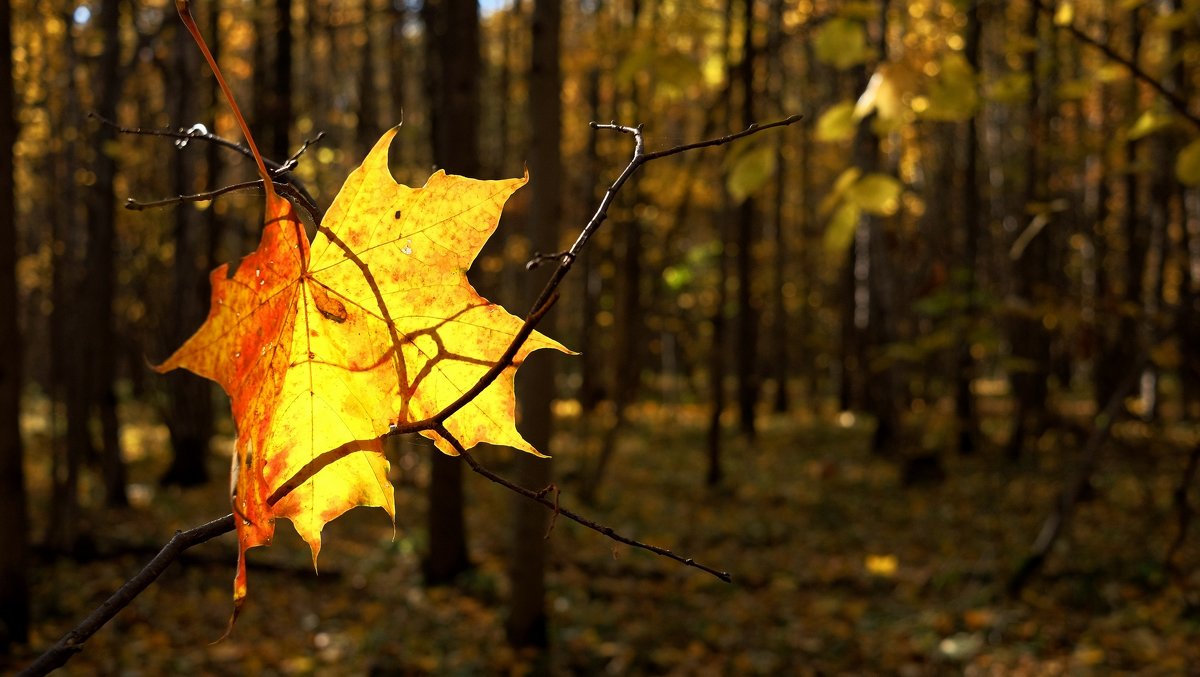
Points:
(279, 170)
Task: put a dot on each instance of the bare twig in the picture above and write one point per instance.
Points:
(293, 191)
(291, 162)
(285, 188)
(1183, 511)
(640, 157)
(1172, 97)
(557, 507)
(539, 258)
(279, 170)
(540, 497)
(139, 205)
(1059, 519)
(72, 642)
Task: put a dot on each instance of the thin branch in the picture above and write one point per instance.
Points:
(294, 160)
(138, 205)
(711, 143)
(1172, 97)
(301, 198)
(540, 497)
(286, 188)
(539, 258)
(640, 157)
(279, 170)
(1059, 520)
(1183, 511)
(72, 642)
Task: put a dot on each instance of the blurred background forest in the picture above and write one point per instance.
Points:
(919, 371)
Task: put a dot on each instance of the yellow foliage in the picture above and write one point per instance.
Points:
(844, 181)
(750, 171)
(1149, 122)
(882, 565)
(952, 95)
(1065, 14)
(837, 123)
(876, 193)
(1009, 88)
(1187, 164)
(840, 231)
(842, 43)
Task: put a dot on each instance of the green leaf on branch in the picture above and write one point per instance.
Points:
(750, 172)
(1009, 88)
(1187, 164)
(843, 182)
(840, 231)
(837, 123)
(842, 43)
(1150, 122)
(953, 96)
(876, 193)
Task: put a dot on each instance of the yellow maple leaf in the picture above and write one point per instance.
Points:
(325, 348)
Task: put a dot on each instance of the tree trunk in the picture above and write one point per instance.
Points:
(1165, 198)
(511, 22)
(1189, 308)
(101, 264)
(590, 388)
(747, 224)
(368, 128)
(14, 528)
(452, 65)
(273, 77)
(190, 407)
(779, 327)
(527, 620)
(964, 401)
(1029, 338)
(1108, 270)
(397, 68)
(629, 322)
(873, 318)
(69, 376)
(717, 367)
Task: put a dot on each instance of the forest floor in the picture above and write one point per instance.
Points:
(837, 567)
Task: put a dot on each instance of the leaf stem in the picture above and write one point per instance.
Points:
(184, 7)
